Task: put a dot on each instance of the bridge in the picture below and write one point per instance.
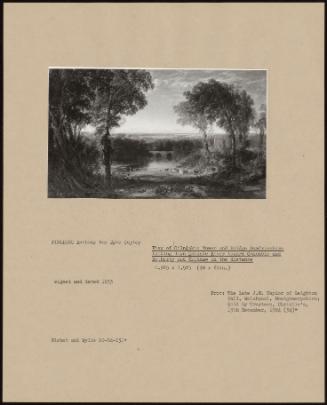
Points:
(162, 154)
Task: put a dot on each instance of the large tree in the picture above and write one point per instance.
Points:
(70, 101)
(245, 116)
(192, 112)
(118, 93)
(97, 96)
(223, 104)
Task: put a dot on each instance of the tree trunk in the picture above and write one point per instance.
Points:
(107, 149)
(234, 154)
(262, 134)
(206, 144)
(261, 139)
(108, 175)
(240, 138)
(244, 140)
(59, 137)
(57, 119)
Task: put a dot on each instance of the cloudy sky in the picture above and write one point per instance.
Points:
(158, 115)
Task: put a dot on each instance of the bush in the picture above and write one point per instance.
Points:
(72, 171)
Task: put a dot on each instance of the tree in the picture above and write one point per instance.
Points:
(118, 93)
(223, 108)
(193, 112)
(70, 100)
(220, 103)
(261, 125)
(244, 117)
(98, 96)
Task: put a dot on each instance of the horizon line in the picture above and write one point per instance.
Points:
(171, 133)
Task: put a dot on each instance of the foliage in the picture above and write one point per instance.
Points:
(220, 103)
(82, 96)
(132, 151)
(179, 146)
(118, 93)
(77, 172)
(262, 123)
(192, 111)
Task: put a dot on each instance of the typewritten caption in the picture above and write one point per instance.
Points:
(267, 301)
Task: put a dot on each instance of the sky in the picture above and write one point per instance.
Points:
(158, 116)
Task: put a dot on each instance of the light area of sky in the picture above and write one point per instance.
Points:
(158, 115)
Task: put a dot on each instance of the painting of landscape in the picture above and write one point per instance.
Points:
(157, 133)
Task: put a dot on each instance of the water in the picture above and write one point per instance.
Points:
(155, 167)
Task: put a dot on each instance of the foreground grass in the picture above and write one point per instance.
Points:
(142, 187)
